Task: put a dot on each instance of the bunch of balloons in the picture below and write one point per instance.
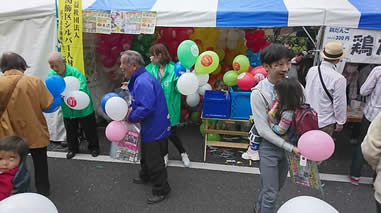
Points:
(239, 75)
(116, 108)
(109, 47)
(68, 88)
(316, 145)
(172, 37)
(73, 97)
(308, 204)
(27, 202)
(256, 41)
(56, 85)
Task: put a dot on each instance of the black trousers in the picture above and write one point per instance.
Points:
(152, 166)
(357, 158)
(176, 140)
(41, 175)
(89, 126)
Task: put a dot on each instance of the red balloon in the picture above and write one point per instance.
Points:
(245, 81)
(259, 73)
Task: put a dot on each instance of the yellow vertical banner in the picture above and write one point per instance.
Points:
(70, 32)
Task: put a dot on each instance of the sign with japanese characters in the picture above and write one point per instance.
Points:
(361, 46)
(70, 32)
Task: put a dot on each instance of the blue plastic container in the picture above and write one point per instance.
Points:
(240, 107)
(216, 104)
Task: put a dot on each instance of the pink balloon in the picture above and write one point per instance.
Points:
(316, 145)
(116, 131)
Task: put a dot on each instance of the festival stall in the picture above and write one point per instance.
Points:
(29, 29)
(228, 35)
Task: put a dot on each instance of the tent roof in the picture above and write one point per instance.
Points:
(21, 9)
(252, 13)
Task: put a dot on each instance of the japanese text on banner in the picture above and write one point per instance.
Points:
(70, 32)
(361, 46)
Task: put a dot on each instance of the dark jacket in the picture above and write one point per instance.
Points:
(149, 107)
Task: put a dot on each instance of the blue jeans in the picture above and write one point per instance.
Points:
(378, 205)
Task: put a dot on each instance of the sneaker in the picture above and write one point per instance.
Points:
(166, 160)
(250, 155)
(354, 180)
(185, 159)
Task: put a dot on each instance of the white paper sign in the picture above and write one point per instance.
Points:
(361, 46)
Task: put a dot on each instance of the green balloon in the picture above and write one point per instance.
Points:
(187, 53)
(241, 63)
(214, 137)
(207, 62)
(202, 130)
(230, 78)
(195, 116)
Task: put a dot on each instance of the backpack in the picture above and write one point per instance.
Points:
(305, 119)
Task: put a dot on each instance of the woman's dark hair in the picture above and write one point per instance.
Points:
(290, 95)
(11, 60)
(274, 53)
(303, 67)
(14, 144)
(158, 49)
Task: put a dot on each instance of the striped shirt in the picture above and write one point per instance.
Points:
(372, 88)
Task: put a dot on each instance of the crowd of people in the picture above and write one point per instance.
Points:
(156, 106)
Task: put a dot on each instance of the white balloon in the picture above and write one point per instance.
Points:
(116, 108)
(303, 204)
(27, 202)
(187, 83)
(202, 89)
(202, 79)
(193, 99)
(72, 84)
(77, 100)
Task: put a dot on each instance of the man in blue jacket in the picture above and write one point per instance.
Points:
(148, 108)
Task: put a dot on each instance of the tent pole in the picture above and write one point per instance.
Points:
(318, 45)
(309, 36)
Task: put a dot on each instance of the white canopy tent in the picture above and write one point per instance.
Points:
(29, 28)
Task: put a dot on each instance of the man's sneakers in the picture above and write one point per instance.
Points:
(156, 199)
(354, 180)
(185, 159)
(250, 155)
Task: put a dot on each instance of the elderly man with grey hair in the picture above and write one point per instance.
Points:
(73, 118)
(148, 108)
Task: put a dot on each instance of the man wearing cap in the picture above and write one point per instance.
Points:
(326, 89)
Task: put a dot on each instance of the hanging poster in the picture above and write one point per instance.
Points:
(103, 22)
(148, 22)
(70, 32)
(89, 21)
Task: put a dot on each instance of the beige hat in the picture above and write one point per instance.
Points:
(333, 50)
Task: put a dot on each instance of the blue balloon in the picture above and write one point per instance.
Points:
(105, 99)
(179, 69)
(56, 84)
(56, 104)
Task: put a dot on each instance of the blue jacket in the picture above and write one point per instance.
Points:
(149, 107)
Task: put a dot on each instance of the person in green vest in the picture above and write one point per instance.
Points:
(73, 118)
(162, 68)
